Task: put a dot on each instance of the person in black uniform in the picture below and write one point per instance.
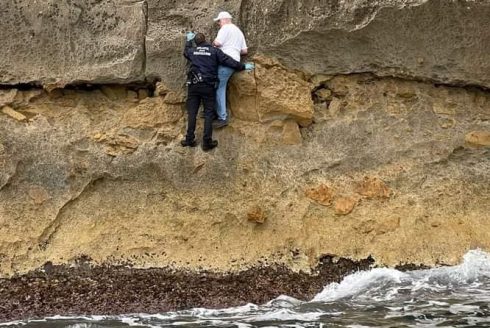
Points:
(202, 79)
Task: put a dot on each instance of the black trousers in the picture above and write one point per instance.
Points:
(196, 93)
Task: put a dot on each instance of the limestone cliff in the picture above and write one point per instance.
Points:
(116, 41)
(360, 133)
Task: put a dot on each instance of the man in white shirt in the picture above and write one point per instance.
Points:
(232, 42)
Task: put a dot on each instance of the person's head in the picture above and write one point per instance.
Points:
(223, 18)
(200, 38)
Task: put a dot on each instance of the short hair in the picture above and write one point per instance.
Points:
(200, 38)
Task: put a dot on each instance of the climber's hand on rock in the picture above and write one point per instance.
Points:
(190, 36)
(249, 66)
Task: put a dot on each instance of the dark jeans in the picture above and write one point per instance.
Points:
(195, 94)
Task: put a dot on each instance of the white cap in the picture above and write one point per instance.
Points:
(222, 15)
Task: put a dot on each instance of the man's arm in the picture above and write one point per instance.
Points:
(221, 37)
(244, 50)
(188, 49)
(244, 53)
(226, 60)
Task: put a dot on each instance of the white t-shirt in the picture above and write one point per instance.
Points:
(232, 40)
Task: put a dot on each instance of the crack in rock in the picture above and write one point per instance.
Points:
(11, 177)
(49, 232)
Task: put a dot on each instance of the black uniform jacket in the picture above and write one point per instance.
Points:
(205, 59)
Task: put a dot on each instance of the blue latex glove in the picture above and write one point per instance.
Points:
(249, 66)
(190, 36)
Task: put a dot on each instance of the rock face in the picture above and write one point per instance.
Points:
(315, 161)
(385, 37)
(478, 138)
(53, 43)
(120, 41)
(385, 171)
(271, 93)
(167, 23)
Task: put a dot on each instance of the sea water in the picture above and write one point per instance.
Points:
(457, 296)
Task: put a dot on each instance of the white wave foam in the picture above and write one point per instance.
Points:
(478, 322)
(284, 301)
(475, 265)
(286, 315)
(208, 313)
(358, 283)
(385, 284)
(461, 308)
(134, 322)
(158, 316)
(17, 323)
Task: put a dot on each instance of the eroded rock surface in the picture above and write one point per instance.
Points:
(119, 41)
(445, 41)
(58, 43)
(317, 160)
(167, 23)
(271, 93)
(385, 170)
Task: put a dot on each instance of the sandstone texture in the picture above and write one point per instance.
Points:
(271, 93)
(117, 41)
(166, 26)
(362, 132)
(387, 173)
(443, 41)
(56, 43)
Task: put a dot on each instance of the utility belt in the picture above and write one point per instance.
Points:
(194, 78)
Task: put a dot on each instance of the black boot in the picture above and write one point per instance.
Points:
(208, 145)
(220, 123)
(186, 143)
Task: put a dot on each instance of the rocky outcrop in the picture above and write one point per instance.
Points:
(387, 168)
(317, 160)
(54, 44)
(442, 41)
(167, 23)
(478, 138)
(271, 93)
(120, 41)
